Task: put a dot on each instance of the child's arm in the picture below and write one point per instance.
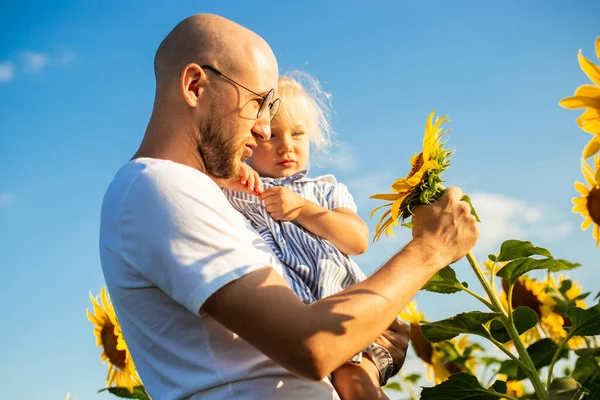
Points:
(341, 226)
(358, 381)
(247, 181)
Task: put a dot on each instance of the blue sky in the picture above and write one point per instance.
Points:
(76, 90)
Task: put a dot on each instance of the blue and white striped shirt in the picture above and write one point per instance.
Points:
(317, 269)
(322, 269)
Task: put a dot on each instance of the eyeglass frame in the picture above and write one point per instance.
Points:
(265, 103)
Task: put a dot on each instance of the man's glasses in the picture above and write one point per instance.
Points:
(267, 102)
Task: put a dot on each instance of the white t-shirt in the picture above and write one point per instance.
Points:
(168, 240)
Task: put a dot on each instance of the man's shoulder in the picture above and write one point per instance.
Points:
(148, 176)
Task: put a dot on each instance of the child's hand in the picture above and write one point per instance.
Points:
(283, 204)
(247, 181)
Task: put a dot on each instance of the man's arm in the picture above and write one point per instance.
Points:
(313, 340)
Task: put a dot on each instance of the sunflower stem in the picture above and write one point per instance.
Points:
(493, 275)
(409, 386)
(503, 348)
(508, 323)
(478, 297)
(559, 350)
(509, 297)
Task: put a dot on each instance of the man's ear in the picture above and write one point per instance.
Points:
(192, 83)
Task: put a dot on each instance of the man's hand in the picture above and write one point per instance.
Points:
(358, 381)
(447, 226)
(395, 340)
(283, 204)
(247, 181)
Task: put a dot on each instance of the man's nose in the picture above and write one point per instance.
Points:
(262, 128)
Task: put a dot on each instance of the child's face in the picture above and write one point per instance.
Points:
(285, 153)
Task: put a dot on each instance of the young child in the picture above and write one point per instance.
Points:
(310, 223)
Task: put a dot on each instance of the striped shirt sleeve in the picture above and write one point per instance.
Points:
(339, 196)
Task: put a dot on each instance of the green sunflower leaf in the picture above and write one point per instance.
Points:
(487, 361)
(594, 394)
(469, 322)
(512, 370)
(587, 372)
(515, 249)
(473, 212)
(394, 386)
(461, 386)
(584, 322)
(524, 318)
(499, 387)
(413, 378)
(593, 352)
(138, 392)
(516, 268)
(444, 281)
(541, 353)
(565, 388)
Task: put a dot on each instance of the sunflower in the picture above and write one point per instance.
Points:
(422, 185)
(420, 345)
(121, 370)
(541, 298)
(513, 388)
(443, 358)
(526, 293)
(588, 205)
(588, 98)
(554, 323)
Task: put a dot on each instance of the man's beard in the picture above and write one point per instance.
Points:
(217, 148)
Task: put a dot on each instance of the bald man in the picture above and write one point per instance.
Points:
(206, 308)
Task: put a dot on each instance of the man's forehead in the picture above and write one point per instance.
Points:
(265, 69)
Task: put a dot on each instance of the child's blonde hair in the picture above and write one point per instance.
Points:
(303, 99)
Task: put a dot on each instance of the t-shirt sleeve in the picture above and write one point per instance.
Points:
(184, 237)
(339, 196)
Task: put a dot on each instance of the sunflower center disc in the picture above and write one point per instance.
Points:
(593, 205)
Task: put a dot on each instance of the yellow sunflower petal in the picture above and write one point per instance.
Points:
(581, 188)
(383, 216)
(418, 176)
(588, 174)
(588, 91)
(427, 137)
(396, 211)
(598, 47)
(378, 208)
(586, 223)
(386, 196)
(590, 69)
(589, 121)
(592, 147)
(575, 102)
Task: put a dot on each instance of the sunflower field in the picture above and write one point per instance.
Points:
(533, 323)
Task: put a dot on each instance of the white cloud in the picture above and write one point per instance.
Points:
(340, 157)
(7, 71)
(6, 199)
(503, 217)
(34, 61)
(64, 58)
